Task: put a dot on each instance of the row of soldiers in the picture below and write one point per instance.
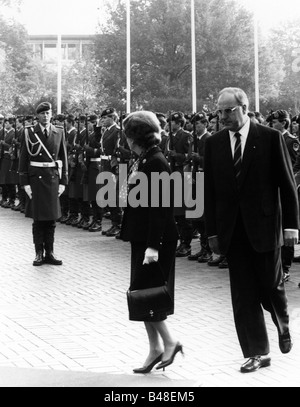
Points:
(97, 143)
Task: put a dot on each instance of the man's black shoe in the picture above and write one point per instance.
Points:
(84, 224)
(206, 257)
(75, 222)
(223, 264)
(50, 259)
(95, 227)
(255, 363)
(64, 219)
(285, 342)
(195, 256)
(215, 262)
(113, 231)
(104, 232)
(38, 261)
(88, 225)
(183, 251)
(70, 220)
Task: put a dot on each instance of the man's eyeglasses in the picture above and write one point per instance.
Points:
(227, 111)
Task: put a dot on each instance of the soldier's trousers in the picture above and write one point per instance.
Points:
(43, 235)
(9, 192)
(185, 229)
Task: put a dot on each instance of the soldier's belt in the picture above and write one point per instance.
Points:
(95, 160)
(105, 157)
(42, 165)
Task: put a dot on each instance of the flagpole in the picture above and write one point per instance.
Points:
(128, 53)
(193, 29)
(59, 73)
(256, 65)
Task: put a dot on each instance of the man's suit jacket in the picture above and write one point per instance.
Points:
(267, 198)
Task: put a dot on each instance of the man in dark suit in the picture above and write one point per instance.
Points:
(43, 170)
(251, 207)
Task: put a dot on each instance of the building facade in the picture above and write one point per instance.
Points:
(73, 47)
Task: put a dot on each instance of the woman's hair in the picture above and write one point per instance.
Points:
(143, 128)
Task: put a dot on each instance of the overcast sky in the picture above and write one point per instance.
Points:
(74, 16)
(82, 16)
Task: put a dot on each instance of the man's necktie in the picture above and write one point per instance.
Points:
(237, 157)
(46, 133)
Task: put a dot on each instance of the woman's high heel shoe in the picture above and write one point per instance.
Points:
(147, 369)
(165, 363)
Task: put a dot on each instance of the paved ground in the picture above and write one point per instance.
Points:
(68, 326)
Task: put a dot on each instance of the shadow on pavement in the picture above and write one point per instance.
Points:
(17, 377)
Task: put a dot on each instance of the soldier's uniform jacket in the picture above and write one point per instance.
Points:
(93, 152)
(8, 138)
(200, 149)
(5, 165)
(109, 143)
(181, 144)
(43, 180)
(70, 139)
(292, 143)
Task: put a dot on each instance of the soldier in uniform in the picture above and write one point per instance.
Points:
(205, 255)
(178, 148)
(93, 154)
(295, 126)
(109, 145)
(8, 177)
(59, 121)
(43, 172)
(280, 120)
(15, 155)
(164, 135)
(214, 123)
(2, 133)
(188, 122)
(71, 135)
(78, 189)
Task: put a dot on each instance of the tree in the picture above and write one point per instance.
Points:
(81, 87)
(285, 45)
(17, 65)
(161, 51)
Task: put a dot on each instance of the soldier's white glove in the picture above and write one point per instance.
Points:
(151, 256)
(28, 191)
(61, 189)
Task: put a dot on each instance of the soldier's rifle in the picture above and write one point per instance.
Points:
(14, 147)
(2, 141)
(291, 123)
(83, 154)
(218, 123)
(73, 156)
(117, 151)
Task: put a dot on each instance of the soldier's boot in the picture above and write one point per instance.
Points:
(96, 226)
(49, 256)
(39, 260)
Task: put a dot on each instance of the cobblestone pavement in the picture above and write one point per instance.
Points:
(73, 319)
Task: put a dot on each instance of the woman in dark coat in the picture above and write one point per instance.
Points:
(153, 235)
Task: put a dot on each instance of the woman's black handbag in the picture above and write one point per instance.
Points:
(147, 302)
